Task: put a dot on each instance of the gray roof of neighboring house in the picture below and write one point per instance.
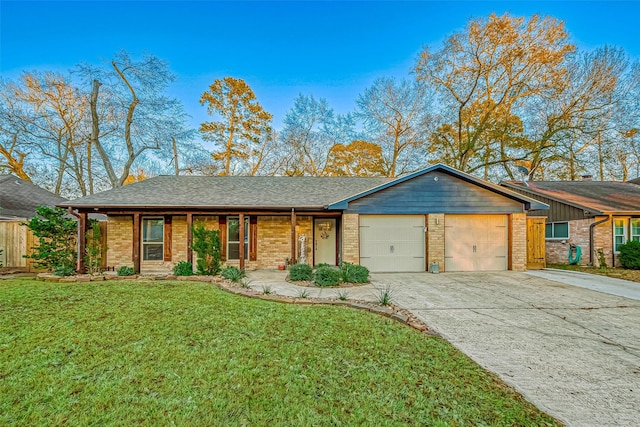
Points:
(635, 181)
(230, 192)
(599, 196)
(19, 198)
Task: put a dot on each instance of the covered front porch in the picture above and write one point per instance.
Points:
(154, 240)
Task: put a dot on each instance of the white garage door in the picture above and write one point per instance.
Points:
(392, 243)
(475, 242)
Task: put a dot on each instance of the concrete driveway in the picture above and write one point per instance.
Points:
(573, 352)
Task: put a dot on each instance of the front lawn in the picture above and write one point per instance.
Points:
(182, 353)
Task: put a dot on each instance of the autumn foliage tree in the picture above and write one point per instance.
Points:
(241, 125)
(483, 76)
(359, 158)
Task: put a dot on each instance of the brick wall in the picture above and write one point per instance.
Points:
(120, 241)
(435, 240)
(518, 241)
(557, 251)
(351, 238)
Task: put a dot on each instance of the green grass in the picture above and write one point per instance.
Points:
(181, 353)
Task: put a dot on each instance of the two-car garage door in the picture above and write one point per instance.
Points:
(397, 243)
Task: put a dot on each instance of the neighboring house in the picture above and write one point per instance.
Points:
(635, 181)
(436, 216)
(19, 200)
(591, 214)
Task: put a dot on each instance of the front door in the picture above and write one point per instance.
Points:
(324, 233)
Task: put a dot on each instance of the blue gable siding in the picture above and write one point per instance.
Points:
(423, 195)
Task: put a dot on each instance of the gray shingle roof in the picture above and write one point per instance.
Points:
(230, 192)
(603, 196)
(19, 198)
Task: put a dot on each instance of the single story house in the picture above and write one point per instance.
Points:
(437, 216)
(594, 215)
(19, 200)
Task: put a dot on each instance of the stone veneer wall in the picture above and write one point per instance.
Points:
(351, 238)
(119, 241)
(435, 240)
(518, 241)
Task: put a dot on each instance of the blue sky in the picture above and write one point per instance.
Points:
(329, 49)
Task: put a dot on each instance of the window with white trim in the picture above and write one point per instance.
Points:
(635, 229)
(557, 230)
(153, 239)
(619, 233)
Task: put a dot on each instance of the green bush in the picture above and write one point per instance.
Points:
(64, 271)
(232, 273)
(126, 271)
(183, 268)
(300, 272)
(630, 255)
(352, 273)
(327, 276)
(57, 237)
(206, 243)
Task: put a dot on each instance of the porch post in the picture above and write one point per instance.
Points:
(189, 237)
(241, 232)
(136, 243)
(293, 236)
(82, 242)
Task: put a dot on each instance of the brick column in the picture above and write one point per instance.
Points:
(518, 234)
(435, 239)
(351, 238)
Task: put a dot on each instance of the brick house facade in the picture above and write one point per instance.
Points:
(312, 220)
(593, 215)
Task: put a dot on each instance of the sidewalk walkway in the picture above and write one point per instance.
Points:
(607, 285)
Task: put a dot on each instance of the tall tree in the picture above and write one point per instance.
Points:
(241, 126)
(395, 115)
(359, 158)
(484, 74)
(310, 129)
(46, 115)
(133, 122)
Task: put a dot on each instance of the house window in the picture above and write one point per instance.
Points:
(635, 229)
(557, 230)
(152, 239)
(619, 233)
(233, 237)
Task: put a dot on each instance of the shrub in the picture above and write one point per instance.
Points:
(93, 251)
(57, 236)
(183, 268)
(385, 296)
(352, 273)
(327, 276)
(126, 271)
(300, 272)
(630, 255)
(206, 243)
(343, 295)
(232, 273)
(64, 271)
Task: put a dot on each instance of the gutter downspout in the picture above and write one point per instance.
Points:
(592, 227)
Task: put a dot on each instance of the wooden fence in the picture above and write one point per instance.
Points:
(16, 240)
